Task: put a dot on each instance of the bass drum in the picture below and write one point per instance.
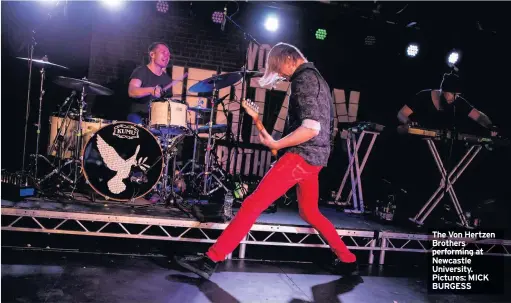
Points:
(122, 161)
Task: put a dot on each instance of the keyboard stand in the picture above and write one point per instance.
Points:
(355, 170)
(447, 180)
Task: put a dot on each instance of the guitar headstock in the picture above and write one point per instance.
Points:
(251, 108)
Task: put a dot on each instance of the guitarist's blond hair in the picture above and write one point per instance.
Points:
(277, 56)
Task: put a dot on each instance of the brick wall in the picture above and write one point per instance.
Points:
(195, 41)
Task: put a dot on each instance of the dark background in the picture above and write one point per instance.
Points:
(105, 45)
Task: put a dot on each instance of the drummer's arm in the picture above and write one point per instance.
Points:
(135, 91)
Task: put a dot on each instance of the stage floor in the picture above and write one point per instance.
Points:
(142, 208)
(35, 276)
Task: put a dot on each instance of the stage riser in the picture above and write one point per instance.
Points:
(135, 227)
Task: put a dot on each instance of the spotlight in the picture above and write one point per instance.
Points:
(453, 58)
(217, 17)
(271, 23)
(113, 3)
(412, 50)
(162, 6)
(48, 2)
(321, 34)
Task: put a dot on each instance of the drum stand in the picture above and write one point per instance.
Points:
(170, 151)
(446, 184)
(193, 161)
(41, 94)
(208, 174)
(56, 146)
(76, 158)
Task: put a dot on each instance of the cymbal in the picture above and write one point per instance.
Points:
(79, 84)
(43, 61)
(199, 109)
(215, 82)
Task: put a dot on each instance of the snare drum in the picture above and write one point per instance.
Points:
(168, 117)
(122, 161)
(68, 128)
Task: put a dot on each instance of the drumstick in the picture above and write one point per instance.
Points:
(174, 82)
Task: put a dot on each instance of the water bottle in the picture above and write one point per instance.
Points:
(228, 201)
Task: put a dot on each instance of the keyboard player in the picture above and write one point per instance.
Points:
(443, 108)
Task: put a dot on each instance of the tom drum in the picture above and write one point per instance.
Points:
(168, 117)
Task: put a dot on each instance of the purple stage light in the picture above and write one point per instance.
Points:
(162, 6)
(217, 17)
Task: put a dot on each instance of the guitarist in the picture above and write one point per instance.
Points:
(305, 147)
(147, 82)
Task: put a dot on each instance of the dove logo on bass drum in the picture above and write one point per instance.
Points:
(122, 161)
(126, 131)
(117, 164)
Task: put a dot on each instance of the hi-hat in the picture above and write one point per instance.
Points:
(79, 84)
(43, 61)
(215, 82)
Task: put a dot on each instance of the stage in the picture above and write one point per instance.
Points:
(35, 276)
(141, 220)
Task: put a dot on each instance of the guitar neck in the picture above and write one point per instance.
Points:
(260, 128)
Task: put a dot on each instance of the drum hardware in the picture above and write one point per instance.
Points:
(44, 62)
(193, 161)
(167, 192)
(123, 161)
(77, 132)
(207, 173)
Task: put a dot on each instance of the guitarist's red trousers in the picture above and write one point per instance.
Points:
(288, 171)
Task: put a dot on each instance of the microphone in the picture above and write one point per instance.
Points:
(222, 28)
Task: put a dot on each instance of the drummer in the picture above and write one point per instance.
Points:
(146, 82)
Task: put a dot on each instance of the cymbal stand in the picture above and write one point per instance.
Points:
(193, 162)
(31, 56)
(77, 153)
(41, 94)
(207, 172)
(170, 151)
(58, 138)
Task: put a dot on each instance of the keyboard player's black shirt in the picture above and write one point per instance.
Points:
(428, 116)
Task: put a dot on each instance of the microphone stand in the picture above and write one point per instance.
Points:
(246, 36)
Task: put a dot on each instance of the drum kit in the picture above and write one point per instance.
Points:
(123, 161)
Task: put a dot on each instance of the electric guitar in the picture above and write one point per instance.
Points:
(252, 110)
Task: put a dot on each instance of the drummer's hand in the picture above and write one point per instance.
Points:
(157, 91)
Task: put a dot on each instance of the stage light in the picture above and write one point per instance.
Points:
(321, 34)
(271, 23)
(48, 2)
(453, 58)
(412, 50)
(113, 3)
(162, 6)
(217, 17)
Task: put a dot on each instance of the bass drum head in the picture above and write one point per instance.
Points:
(122, 161)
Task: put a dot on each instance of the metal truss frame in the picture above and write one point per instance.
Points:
(419, 243)
(172, 229)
